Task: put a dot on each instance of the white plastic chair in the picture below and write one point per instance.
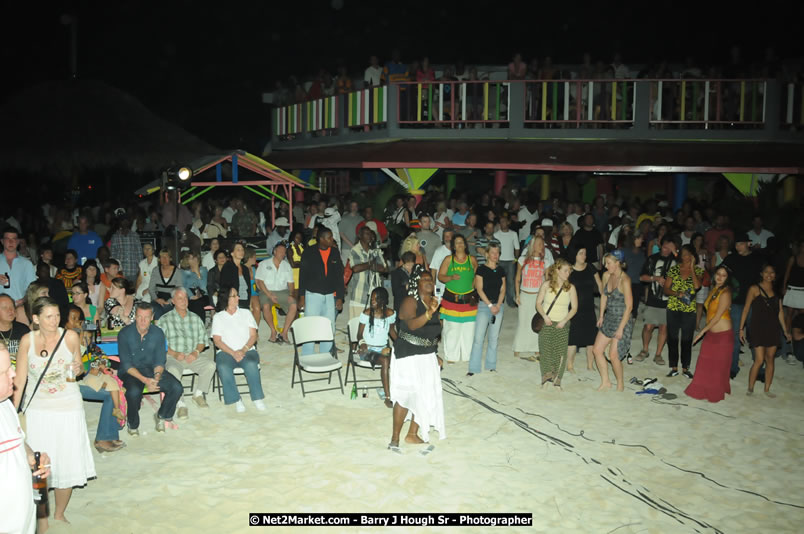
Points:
(311, 330)
(354, 361)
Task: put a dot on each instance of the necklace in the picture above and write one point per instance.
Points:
(7, 340)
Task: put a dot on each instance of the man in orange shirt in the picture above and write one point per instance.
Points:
(321, 287)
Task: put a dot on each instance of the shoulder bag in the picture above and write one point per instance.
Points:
(537, 322)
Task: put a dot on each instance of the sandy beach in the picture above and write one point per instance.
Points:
(578, 460)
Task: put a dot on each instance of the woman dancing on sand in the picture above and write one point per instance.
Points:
(767, 322)
(711, 379)
(615, 321)
(415, 377)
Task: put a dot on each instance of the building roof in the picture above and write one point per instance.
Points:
(578, 156)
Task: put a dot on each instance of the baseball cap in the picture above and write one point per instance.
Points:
(741, 237)
(281, 221)
(547, 222)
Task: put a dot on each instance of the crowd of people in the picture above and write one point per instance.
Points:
(433, 271)
(394, 70)
(421, 71)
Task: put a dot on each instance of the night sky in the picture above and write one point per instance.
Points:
(204, 65)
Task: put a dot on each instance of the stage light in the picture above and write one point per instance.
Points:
(177, 178)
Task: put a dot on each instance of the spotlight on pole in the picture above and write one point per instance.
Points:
(177, 178)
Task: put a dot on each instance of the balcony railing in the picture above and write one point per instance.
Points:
(637, 104)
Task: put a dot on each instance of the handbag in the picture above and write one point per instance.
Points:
(44, 371)
(537, 322)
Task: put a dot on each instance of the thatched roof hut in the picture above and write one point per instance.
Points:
(61, 128)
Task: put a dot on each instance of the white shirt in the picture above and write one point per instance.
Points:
(441, 219)
(439, 255)
(273, 239)
(615, 236)
(372, 75)
(527, 217)
(145, 270)
(572, 218)
(761, 238)
(233, 329)
(208, 261)
(509, 244)
(16, 493)
(228, 213)
(275, 279)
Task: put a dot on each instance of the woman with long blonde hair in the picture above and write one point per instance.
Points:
(412, 243)
(557, 303)
(530, 271)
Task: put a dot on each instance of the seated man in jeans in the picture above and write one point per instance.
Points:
(142, 364)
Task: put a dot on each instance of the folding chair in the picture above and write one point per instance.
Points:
(188, 390)
(311, 330)
(354, 360)
(237, 371)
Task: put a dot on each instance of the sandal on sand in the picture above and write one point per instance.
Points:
(394, 448)
(531, 358)
(658, 359)
(641, 356)
(107, 448)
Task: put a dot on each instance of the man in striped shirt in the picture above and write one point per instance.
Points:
(483, 242)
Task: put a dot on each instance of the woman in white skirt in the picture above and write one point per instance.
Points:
(415, 374)
(55, 414)
(530, 271)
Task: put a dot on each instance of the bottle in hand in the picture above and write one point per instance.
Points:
(40, 490)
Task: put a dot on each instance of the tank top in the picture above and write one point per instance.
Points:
(465, 284)
(796, 275)
(421, 341)
(711, 304)
(165, 287)
(560, 308)
(54, 389)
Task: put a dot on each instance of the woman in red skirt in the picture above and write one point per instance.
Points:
(711, 379)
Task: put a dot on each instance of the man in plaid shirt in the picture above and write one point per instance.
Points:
(126, 247)
(186, 338)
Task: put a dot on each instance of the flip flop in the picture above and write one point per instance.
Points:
(427, 451)
(669, 396)
(394, 448)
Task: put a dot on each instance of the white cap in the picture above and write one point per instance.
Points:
(547, 222)
(281, 221)
(329, 212)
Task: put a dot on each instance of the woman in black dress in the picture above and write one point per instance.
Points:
(583, 327)
(767, 322)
